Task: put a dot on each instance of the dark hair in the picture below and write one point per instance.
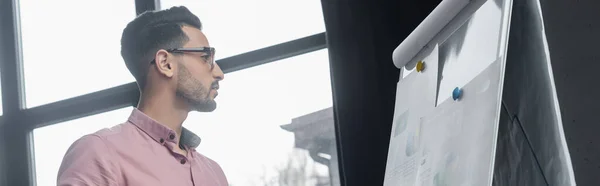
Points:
(150, 32)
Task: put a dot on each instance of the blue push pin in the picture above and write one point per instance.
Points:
(456, 93)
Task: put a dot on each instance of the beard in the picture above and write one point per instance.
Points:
(194, 92)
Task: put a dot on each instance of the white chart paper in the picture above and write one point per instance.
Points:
(415, 96)
(452, 144)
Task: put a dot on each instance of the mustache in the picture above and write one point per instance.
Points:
(215, 85)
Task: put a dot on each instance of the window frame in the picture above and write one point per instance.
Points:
(18, 122)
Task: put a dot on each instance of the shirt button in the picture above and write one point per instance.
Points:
(171, 136)
(162, 140)
(182, 161)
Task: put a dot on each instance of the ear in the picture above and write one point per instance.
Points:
(164, 63)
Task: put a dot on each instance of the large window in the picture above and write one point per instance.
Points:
(235, 26)
(274, 122)
(245, 134)
(51, 142)
(72, 47)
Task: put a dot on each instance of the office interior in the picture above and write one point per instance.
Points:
(358, 37)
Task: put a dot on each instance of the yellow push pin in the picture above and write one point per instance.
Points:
(420, 66)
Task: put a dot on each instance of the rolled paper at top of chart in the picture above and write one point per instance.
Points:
(419, 39)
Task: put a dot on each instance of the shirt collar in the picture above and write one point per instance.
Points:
(160, 133)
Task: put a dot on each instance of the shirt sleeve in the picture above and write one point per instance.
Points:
(88, 162)
(218, 172)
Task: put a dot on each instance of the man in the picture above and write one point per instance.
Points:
(174, 67)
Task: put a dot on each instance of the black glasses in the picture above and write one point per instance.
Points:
(208, 58)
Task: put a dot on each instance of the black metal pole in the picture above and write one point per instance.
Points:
(16, 153)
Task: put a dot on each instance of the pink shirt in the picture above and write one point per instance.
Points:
(138, 152)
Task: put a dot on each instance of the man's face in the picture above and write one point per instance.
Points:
(197, 82)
